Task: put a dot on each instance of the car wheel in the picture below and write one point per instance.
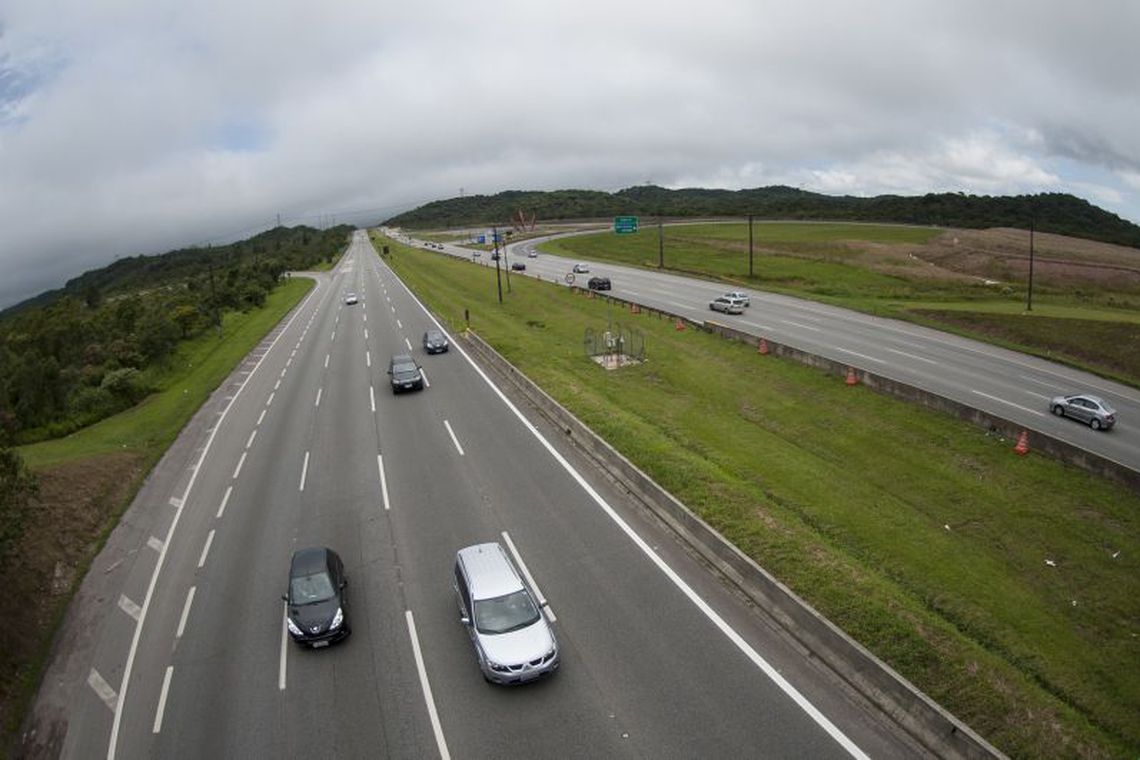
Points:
(1059, 410)
(1094, 423)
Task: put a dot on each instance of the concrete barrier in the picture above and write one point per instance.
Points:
(933, 727)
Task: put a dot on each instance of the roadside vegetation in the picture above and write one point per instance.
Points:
(1086, 297)
(1004, 587)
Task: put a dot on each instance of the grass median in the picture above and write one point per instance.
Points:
(1004, 587)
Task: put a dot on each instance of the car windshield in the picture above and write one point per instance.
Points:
(434, 337)
(307, 589)
(404, 368)
(504, 614)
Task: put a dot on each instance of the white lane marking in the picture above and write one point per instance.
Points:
(408, 343)
(288, 361)
(333, 336)
(399, 324)
(239, 464)
(162, 700)
(800, 325)
(103, 689)
(372, 397)
(326, 361)
(454, 440)
(383, 481)
(366, 333)
(284, 645)
(185, 613)
(269, 401)
(277, 385)
(304, 471)
(284, 371)
(175, 502)
(424, 376)
(154, 543)
(856, 353)
(745, 648)
(129, 607)
(251, 437)
(365, 316)
(436, 728)
(529, 578)
(225, 500)
(368, 358)
(261, 416)
(318, 402)
(1009, 403)
(916, 357)
(206, 548)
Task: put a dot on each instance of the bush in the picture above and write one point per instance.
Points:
(17, 486)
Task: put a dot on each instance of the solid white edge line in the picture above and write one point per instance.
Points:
(304, 471)
(429, 700)
(185, 612)
(284, 646)
(113, 741)
(454, 440)
(372, 397)
(225, 500)
(206, 548)
(529, 578)
(383, 481)
(237, 469)
(162, 700)
(788, 689)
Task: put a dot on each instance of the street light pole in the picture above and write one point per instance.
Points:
(660, 245)
(498, 276)
(750, 246)
(1029, 296)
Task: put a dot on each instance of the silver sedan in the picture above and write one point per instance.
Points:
(1092, 410)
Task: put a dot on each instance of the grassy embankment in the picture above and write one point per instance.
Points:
(91, 476)
(867, 268)
(919, 535)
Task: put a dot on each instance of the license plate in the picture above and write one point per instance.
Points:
(318, 644)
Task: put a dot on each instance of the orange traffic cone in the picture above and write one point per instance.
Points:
(762, 348)
(1022, 447)
(679, 325)
(851, 379)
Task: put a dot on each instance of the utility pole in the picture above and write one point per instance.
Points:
(660, 244)
(1029, 295)
(498, 276)
(750, 246)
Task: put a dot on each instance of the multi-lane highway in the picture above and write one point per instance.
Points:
(1005, 383)
(180, 648)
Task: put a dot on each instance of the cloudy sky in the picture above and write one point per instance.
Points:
(137, 126)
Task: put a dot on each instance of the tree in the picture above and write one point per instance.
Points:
(17, 487)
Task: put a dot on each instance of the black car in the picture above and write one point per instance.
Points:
(518, 266)
(599, 283)
(405, 374)
(316, 602)
(435, 342)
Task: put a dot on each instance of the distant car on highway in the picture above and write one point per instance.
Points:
(598, 283)
(532, 254)
(405, 374)
(435, 342)
(350, 299)
(1092, 410)
(518, 266)
(316, 604)
(581, 269)
(495, 256)
(513, 641)
(739, 295)
(726, 305)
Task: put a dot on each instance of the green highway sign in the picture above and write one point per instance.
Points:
(625, 224)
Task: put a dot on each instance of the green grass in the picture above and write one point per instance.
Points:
(184, 383)
(845, 495)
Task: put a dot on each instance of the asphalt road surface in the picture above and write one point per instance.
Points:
(1005, 383)
(176, 644)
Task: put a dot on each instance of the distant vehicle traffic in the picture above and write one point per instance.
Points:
(1092, 410)
(435, 342)
(405, 374)
(495, 256)
(726, 305)
(350, 299)
(581, 269)
(316, 602)
(532, 254)
(598, 283)
(518, 266)
(739, 295)
(513, 641)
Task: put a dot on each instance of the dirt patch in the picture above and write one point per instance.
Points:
(77, 503)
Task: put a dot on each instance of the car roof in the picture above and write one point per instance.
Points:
(489, 572)
(310, 560)
(402, 358)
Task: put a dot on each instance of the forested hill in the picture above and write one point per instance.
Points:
(1052, 212)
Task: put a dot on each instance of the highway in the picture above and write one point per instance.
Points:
(1005, 383)
(177, 645)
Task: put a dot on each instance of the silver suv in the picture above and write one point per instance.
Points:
(1088, 409)
(513, 641)
(726, 305)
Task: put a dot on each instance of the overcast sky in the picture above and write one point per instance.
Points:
(138, 126)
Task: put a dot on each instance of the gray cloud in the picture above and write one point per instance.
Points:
(149, 125)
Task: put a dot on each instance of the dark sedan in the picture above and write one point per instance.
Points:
(316, 601)
(405, 374)
(599, 283)
(518, 266)
(435, 342)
